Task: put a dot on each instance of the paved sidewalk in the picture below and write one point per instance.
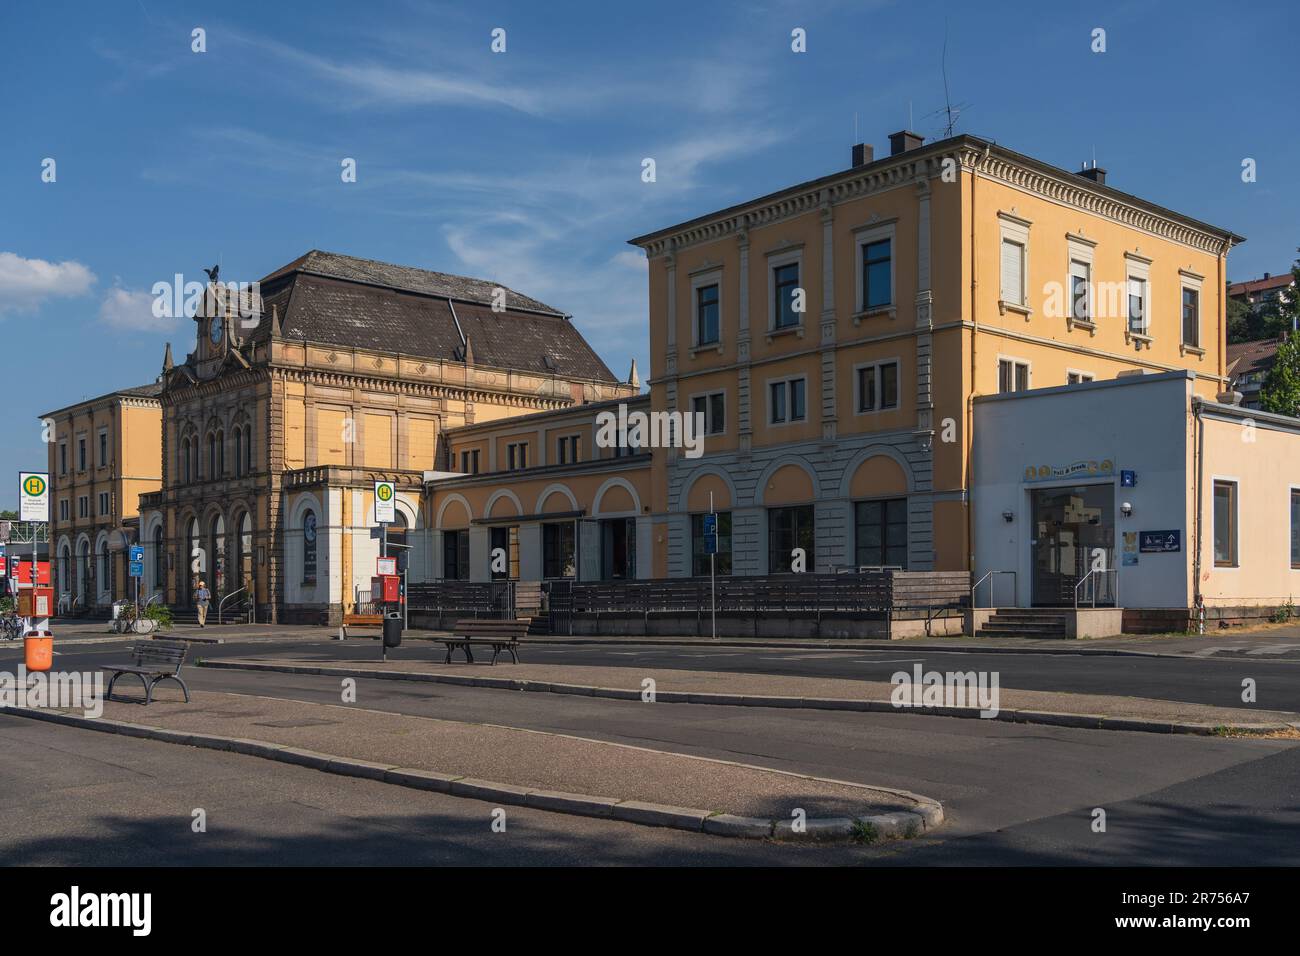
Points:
(489, 761)
(734, 687)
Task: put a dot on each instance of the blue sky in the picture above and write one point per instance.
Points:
(524, 166)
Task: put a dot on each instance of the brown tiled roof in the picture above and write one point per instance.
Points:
(1247, 357)
(362, 313)
(389, 276)
(1261, 285)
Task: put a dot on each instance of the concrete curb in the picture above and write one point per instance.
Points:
(899, 824)
(1047, 718)
(898, 645)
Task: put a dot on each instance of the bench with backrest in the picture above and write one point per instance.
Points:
(497, 633)
(153, 662)
(362, 620)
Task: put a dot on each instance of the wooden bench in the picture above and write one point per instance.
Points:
(499, 634)
(361, 620)
(154, 661)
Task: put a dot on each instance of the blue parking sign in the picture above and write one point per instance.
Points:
(137, 553)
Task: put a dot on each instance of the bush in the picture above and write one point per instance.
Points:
(6, 604)
(160, 614)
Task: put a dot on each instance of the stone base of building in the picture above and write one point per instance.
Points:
(745, 624)
(1176, 620)
(324, 614)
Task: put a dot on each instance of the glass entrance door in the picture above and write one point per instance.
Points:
(1074, 531)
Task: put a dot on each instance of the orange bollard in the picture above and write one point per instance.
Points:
(39, 647)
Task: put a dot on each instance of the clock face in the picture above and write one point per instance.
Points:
(309, 528)
(214, 332)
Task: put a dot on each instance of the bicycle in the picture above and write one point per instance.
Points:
(11, 627)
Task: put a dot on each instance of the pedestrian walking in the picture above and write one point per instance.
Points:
(203, 596)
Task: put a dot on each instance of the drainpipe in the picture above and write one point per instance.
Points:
(970, 401)
(1198, 601)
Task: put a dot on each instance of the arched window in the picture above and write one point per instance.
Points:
(309, 548)
(159, 559)
(86, 575)
(103, 565)
(185, 459)
(221, 455)
(217, 557)
(239, 452)
(194, 560)
(397, 530)
(244, 554)
(65, 569)
(248, 449)
(212, 455)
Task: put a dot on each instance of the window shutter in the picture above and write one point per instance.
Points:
(1013, 278)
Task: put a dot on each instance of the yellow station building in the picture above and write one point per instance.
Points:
(833, 340)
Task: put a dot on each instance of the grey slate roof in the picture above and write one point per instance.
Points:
(442, 284)
(346, 302)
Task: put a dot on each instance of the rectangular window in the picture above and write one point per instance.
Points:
(81, 454)
(1080, 297)
(103, 502)
(878, 387)
(1191, 317)
(103, 449)
(1225, 524)
(1075, 378)
(710, 412)
(786, 401)
(83, 506)
(517, 456)
(455, 555)
(877, 286)
(880, 533)
(469, 462)
(63, 458)
(700, 557)
(787, 529)
(1137, 305)
(559, 550)
(707, 329)
(1013, 376)
(1295, 528)
(785, 280)
(1013, 272)
(63, 509)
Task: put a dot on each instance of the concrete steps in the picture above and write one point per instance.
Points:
(1026, 622)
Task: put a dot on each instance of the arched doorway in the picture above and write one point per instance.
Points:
(85, 582)
(217, 557)
(104, 575)
(243, 576)
(192, 554)
(159, 561)
(66, 581)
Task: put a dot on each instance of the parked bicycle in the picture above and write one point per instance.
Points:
(11, 627)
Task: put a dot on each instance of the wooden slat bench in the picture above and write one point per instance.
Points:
(154, 661)
(362, 620)
(499, 634)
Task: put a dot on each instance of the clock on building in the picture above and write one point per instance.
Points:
(214, 331)
(309, 527)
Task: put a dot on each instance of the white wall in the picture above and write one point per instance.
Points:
(1139, 423)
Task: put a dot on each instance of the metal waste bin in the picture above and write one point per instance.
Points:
(392, 629)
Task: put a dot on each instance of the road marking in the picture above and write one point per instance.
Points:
(1272, 649)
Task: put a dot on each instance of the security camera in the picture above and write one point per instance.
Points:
(1127, 509)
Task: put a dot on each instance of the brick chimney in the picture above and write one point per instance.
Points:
(862, 154)
(904, 140)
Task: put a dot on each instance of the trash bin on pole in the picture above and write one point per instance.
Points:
(392, 629)
(38, 647)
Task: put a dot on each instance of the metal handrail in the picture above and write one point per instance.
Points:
(153, 597)
(1084, 579)
(1015, 587)
(222, 604)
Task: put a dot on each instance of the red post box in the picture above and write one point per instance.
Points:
(386, 588)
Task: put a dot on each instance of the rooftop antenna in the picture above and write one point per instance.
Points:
(951, 111)
(855, 129)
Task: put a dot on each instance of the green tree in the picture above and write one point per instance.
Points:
(1281, 390)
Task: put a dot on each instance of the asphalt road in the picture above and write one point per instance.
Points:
(1013, 793)
(1210, 680)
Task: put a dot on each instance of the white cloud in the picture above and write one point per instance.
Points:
(26, 283)
(132, 311)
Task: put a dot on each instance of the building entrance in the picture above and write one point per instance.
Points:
(1074, 532)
